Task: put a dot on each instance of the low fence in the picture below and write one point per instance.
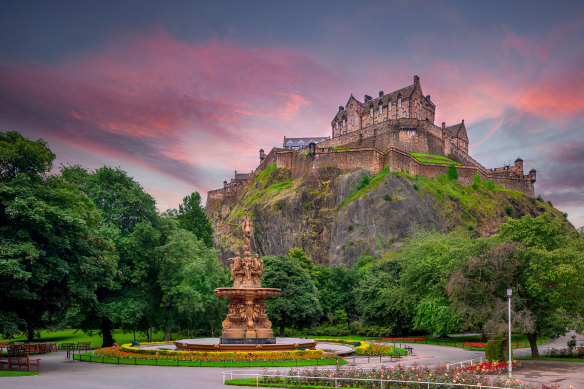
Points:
(470, 362)
(376, 382)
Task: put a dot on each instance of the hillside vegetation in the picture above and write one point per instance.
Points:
(336, 218)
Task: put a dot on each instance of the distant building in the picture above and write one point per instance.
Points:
(301, 143)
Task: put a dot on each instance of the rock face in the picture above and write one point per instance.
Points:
(337, 218)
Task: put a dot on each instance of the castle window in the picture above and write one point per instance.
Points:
(380, 109)
(352, 119)
(368, 124)
(300, 144)
(405, 114)
(384, 119)
(371, 110)
(389, 106)
(351, 105)
(399, 102)
(344, 122)
(395, 116)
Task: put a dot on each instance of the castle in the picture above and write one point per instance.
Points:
(380, 132)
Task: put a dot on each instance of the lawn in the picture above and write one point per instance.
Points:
(88, 357)
(458, 341)
(8, 373)
(74, 336)
(253, 382)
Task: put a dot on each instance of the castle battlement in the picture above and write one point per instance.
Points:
(383, 132)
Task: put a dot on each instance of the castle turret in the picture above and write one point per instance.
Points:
(519, 165)
(532, 174)
(262, 155)
(416, 80)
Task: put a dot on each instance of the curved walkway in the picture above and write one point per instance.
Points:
(57, 372)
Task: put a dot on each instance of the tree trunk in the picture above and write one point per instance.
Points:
(533, 344)
(30, 333)
(281, 331)
(134, 335)
(106, 332)
(178, 334)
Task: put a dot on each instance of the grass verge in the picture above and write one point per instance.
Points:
(75, 336)
(88, 357)
(8, 373)
(253, 382)
(550, 359)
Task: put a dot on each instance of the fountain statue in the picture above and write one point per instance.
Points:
(246, 326)
(246, 320)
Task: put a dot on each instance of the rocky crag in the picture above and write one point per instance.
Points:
(336, 217)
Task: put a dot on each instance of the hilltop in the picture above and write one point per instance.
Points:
(336, 217)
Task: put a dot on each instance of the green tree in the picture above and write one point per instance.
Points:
(381, 300)
(452, 173)
(191, 217)
(52, 253)
(189, 272)
(132, 222)
(298, 305)
(541, 260)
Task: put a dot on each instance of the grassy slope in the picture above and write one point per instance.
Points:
(74, 336)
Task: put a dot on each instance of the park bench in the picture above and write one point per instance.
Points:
(70, 347)
(51, 346)
(83, 346)
(24, 362)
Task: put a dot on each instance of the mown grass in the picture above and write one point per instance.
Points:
(89, 357)
(9, 373)
(430, 158)
(542, 358)
(75, 336)
(458, 341)
(255, 382)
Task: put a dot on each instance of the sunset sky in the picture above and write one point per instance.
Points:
(181, 93)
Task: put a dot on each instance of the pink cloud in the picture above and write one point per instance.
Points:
(145, 98)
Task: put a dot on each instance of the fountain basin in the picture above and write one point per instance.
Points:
(214, 344)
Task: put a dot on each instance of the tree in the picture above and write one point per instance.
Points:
(298, 305)
(52, 251)
(541, 259)
(189, 272)
(381, 300)
(132, 222)
(191, 217)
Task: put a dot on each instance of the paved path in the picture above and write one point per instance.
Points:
(57, 372)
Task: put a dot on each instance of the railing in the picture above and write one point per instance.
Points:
(470, 362)
(383, 383)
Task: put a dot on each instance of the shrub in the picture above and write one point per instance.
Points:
(350, 228)
(476, 179)
(452, 173)
(387, 197)
(496, 349)
(416, 186)
(489, 185)
(509, 210)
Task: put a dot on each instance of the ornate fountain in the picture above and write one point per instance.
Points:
(246, 326)
(246, 321)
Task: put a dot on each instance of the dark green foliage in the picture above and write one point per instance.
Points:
(387, 197)
(53, 252)
(363, 182)
(508, 210)
(121, 200)
(298, 305)
(21, 155)
(416, 186)
(476, 179)
(350, 228)
(191, 217)
(495, 350)
(452, 173)
(489, 185)
(550, 203)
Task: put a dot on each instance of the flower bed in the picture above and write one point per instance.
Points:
(491, 367)
(482, 345)
(128, 352)
(314, 377)
(413, 339)
(366, 348)
(574, 352)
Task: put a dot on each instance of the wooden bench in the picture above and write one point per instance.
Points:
(24, 362)
(83, 346)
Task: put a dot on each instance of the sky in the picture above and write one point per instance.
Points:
(179, 94)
